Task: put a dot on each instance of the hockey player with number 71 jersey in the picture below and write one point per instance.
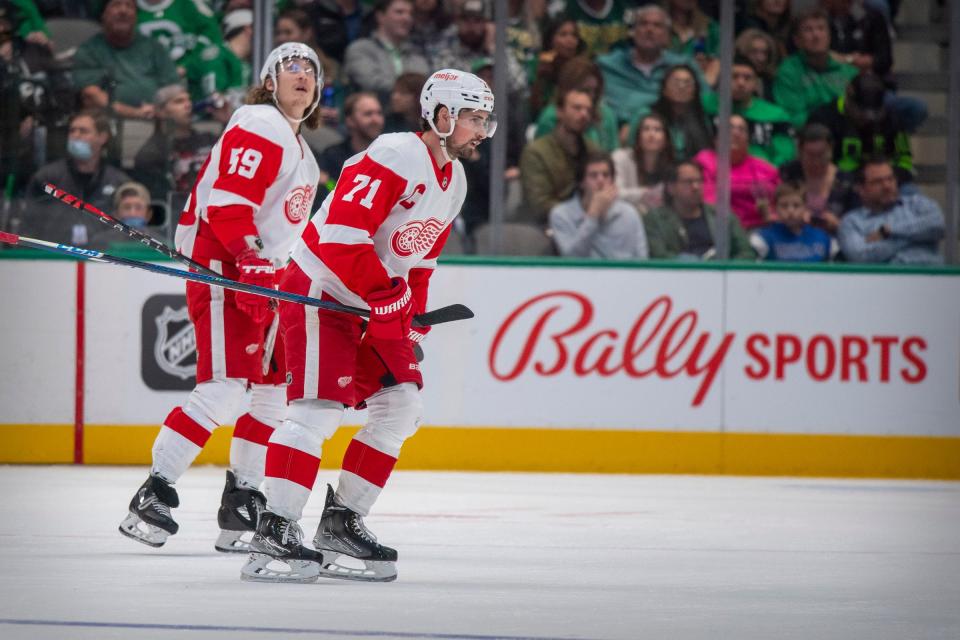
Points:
(374, 244)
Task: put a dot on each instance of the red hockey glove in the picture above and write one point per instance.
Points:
(260, 272)
(417, 334)
(391, 311)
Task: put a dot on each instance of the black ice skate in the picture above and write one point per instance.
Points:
(350, 550)
(239, 512)
(149, 520)
(278, 555)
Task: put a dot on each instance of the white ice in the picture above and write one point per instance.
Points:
(509, 556)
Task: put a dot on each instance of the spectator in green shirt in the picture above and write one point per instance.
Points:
(771, 134)
(810, 77)
(119, 68)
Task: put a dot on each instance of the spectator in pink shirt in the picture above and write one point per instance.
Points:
(752, 180)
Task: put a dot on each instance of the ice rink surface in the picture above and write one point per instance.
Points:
(509, 556)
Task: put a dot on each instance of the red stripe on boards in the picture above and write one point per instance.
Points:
(187, 427)
(250, 429)
(368, 463)
(78, 367)
(291, 464)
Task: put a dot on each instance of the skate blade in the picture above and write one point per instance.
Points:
(263, 568)
(135, 528)
(233, 541)
(344, 567)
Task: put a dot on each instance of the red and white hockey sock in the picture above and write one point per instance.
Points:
(394, 415)
(248, 448)
(363, 475)
(180, 440)
(293, 458)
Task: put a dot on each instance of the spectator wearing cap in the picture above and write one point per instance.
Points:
(863, 125)
(859, 35)
(119, 68)
(811, 77)
(171, 158)
(828, 191)
(633, 75)
(375, 63)
(131, 206)
(220, 72)
(595, 222)
(84, 173)
(601, 23)
(890, 228)
(183, 27)
(470, 37)
(771, 132)
(752, 180)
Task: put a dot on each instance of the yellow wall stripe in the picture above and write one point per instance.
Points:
(475, 449)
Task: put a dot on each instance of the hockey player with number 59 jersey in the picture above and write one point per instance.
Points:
(374, 244)
(250, 203)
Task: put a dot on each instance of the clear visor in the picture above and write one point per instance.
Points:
(298, 65)
(484, 122)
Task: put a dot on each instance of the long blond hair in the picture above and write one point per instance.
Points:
(261, 95)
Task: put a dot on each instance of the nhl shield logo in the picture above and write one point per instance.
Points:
(176, 345)
(168, 356)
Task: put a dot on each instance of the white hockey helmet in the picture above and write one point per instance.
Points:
(456, 90)
(288, 51)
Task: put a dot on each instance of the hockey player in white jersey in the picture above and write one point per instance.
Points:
(374, 243)
(251, 201)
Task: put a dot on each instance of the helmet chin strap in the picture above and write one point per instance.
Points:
(276, 103)
(443, 137)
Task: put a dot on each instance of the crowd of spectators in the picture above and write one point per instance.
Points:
(612, 124)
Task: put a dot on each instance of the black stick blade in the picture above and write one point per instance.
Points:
(450, 313)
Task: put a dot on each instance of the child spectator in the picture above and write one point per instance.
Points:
(752, 180)
(639, 171)
(792, 238)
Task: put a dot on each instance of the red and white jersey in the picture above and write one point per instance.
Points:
(262, 166)
(389, 216)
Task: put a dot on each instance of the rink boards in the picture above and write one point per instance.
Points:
(568, 366)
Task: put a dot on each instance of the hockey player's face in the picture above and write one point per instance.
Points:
(471, 130)
(297, 85)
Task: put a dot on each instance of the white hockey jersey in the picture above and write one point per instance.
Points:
(257, 163)
(389, 216)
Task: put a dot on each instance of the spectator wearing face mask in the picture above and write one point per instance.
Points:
(83, 173)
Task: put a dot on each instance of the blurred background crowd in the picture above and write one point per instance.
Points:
(611, 126)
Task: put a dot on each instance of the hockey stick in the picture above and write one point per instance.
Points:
(141, 237)
(449, 313)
